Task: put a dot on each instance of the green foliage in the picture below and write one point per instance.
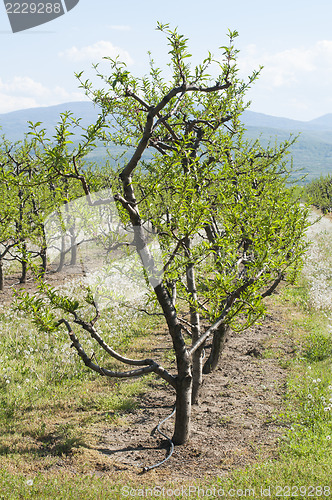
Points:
(206, 184)
(319, 193)
(42, 317)
(42, 306)
(309, 414)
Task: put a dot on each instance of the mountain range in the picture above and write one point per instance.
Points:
(312, 152)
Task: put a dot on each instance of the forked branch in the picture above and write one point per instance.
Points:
(148, 365)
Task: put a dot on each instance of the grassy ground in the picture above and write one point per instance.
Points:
(304, 464)
(53, 409)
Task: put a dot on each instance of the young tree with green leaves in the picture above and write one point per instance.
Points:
(7, 216)
(228, 229)
(25, 194)
(62, 163)
(319, 193)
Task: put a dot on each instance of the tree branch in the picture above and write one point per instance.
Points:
(228, 304)
(148, 365)
(274, 285)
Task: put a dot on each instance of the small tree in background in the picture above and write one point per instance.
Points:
(23, 204)
(319, 193)
(8, 214)
(228, 227)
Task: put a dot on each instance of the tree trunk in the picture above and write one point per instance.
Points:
(24, 263)
(73, 255)
(184, 378)
(197, 374)
(43, 255)
(197, 363)
(2, 278)
(62, 254)
(23, 278)
(73, 246)
(183, 360)
(211, 237)
(183, 409)
(218, 343)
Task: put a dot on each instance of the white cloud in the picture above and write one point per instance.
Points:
(23, 92)
(22, 86)
(295, 82)
(96, 52)
(288, 67)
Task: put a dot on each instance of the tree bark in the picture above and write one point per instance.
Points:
(73, 254)
(24, 263)
(197, 362)
(183, 408)
(197, 374)
(183, 360)
(218, 343)
(73, 246)
(62, 254)
(2, 278)
(43, 255)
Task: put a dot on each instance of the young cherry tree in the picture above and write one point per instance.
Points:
(228, 227)
(23, 204)
(8, 211)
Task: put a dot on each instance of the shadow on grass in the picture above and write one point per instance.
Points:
(64, 441)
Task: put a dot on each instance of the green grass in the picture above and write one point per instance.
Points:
(302, 465)
(13, 487)
(54, 408)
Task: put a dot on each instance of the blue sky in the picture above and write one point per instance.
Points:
(292, 39)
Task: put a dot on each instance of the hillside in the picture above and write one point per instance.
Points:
(15, 124)
(312, 153)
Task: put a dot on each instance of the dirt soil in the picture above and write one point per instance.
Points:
(231, 426)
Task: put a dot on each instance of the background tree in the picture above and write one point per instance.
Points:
(63, 161)
(16, 172)
(31, 188)
(319, 193)
(7, 216)
(228, 227)
(26, 195)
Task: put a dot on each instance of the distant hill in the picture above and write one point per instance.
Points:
(254, 119)
(324, 121)
(312, 153)
(15, 124)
